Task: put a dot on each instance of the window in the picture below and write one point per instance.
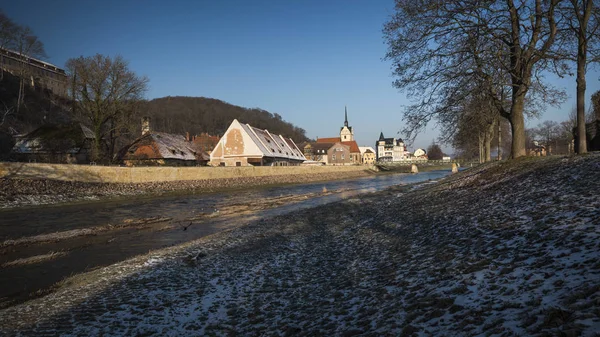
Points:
(342, 156)
(237, 163)
(333, 156)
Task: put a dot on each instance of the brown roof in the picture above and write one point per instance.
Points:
(328, 140)
(353, 146)
(321, 146)
(160, 145)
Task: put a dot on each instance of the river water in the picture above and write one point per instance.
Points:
(209, 214)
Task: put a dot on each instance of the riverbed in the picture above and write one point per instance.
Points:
(41, 246)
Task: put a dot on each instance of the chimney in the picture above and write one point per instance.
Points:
(145, 125)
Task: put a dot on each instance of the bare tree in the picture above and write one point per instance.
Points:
(439, 48)
(26, 44)
(548, 132)
(8, 30)
(434, 152)
(582, 18)
(106, 91)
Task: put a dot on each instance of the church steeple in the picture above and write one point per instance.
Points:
(346, 133)
(345, 116)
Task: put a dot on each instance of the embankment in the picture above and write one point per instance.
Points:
(30, 184)
(503, 249)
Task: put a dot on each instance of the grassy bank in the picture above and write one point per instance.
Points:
(502, 249)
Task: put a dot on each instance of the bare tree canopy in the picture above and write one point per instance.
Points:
(434, 152)
(444, 52)
(105, 92)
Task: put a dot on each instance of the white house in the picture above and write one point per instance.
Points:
(390, 149)
(245, 145)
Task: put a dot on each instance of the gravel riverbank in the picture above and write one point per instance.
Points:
(32, 192)
(506, 249)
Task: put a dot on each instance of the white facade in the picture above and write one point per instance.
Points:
(245, 145)
(390, 149)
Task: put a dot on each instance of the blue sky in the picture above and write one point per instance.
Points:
(303, 59)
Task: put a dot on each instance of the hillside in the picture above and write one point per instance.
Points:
(199, 114)
(500, 250)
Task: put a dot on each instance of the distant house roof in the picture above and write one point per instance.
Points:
(390, 141)
(366, 149)
(261, 143)
(328, 140)
(161, 145)
(52, 138)
(352, 144)
(205, 141)
(321, 147)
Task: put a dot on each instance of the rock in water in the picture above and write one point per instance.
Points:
(414, 169)
(454, 168)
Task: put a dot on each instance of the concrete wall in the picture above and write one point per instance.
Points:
(116, 174)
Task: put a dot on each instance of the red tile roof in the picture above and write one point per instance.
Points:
(353, 146)
(328, 140)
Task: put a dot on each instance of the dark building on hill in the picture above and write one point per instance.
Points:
(66, 143)
(162, 149)
(38, 74)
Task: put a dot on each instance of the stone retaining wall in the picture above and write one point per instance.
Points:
(117, 174)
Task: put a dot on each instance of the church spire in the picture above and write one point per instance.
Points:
(345, 116)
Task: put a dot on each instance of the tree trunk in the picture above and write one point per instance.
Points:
(96, 151)
(481, 150)
(21, 97)
(489, 134)
(499, 138)
(581, 86)
(517, 125)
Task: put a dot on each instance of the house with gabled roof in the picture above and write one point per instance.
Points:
(245, 145)
(55, 143)
(162, 149)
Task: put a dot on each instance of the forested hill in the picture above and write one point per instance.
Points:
(200, 114)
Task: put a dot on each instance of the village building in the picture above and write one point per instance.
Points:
(346, 138)
(245, 145)
(65, 143)
(367, 154)
(205, 142)
(38, 73)
(162, 149)
(328, 153)
(420, 154)
(390, 149)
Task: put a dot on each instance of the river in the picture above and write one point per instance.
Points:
(162, 222)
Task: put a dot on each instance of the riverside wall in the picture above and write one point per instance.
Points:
(118, 174)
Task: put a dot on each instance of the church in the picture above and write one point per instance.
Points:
(346, 138)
